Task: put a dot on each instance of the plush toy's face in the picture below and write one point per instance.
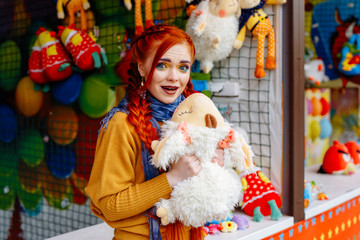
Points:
(337, 160)
(200, 111)
(223, 8)
(354, 150)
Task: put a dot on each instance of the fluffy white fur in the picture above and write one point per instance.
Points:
(216, 190)
(223, 28)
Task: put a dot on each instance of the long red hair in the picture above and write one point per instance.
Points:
(159, 38)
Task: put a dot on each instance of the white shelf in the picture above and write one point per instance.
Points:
(338, 188)
(98, 231)
(256, 230)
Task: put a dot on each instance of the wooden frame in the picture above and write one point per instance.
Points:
(293, 98)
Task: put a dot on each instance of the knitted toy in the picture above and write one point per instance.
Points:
(139, 27)
(213, 28)
(337, 160)
(256, 20)
(86, 54)
(72, 7)
(197, 127)
(259, 196)
(48, 61)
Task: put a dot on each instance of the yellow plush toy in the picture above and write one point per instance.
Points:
(197, 127)
(72, 7)
(256, 20)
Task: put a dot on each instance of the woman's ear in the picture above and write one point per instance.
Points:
(141, 69)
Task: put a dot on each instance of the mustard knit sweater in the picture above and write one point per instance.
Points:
(117, 188)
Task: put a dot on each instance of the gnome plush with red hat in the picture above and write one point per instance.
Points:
(259, 196)
(337, 160)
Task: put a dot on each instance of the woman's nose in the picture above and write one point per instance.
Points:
(172, 75)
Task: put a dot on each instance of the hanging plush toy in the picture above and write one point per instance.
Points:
(337, 160)
(256, 20)
(54, 63)
(259, 196)
(72, 7)
(213, 29)
(197, 127)
(139, 27)
(86, 54)
(36, 72)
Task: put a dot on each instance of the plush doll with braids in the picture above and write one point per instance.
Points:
(124, 186)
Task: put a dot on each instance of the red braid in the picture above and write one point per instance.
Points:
(164, 37)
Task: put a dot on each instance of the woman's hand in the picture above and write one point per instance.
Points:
(219, 158)
(186, 167)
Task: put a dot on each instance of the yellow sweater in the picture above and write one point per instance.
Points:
(117, 188)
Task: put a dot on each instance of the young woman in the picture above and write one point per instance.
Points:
(123, 185)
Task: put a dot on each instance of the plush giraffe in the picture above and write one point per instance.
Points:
(139, 27)
(256, 20)
(72, 7)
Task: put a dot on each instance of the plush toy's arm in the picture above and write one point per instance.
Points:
(86, 4)
(263, 177)
(200, 16)
(60, 9)
(275, 1)
(240, 38)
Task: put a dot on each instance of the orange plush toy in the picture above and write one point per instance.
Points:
(256, 20)
(139, 27)
(86, 54)
(72, 7)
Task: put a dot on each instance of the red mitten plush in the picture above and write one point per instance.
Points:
(259, 196)
(36, 72)
(54, 60)
(86, 54)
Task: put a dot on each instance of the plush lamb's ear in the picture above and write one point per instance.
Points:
(154, 145)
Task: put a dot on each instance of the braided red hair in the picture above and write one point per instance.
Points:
(163, 37)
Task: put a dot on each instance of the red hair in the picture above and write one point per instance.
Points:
(161, 38)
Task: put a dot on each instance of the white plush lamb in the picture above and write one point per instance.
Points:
(213, 26)
(197, 127)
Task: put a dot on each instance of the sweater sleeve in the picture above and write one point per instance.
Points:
(117, 186)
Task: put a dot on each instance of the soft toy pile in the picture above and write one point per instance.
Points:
(197, 127)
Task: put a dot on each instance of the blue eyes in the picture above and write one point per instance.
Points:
(182, 68)
(161, 66)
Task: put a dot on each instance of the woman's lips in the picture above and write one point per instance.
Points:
(170, 89)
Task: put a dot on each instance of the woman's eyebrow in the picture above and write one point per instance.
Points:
(169, 60)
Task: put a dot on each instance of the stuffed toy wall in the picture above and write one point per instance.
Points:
(50, 114)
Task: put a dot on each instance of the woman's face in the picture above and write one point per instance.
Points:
(171, 73)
